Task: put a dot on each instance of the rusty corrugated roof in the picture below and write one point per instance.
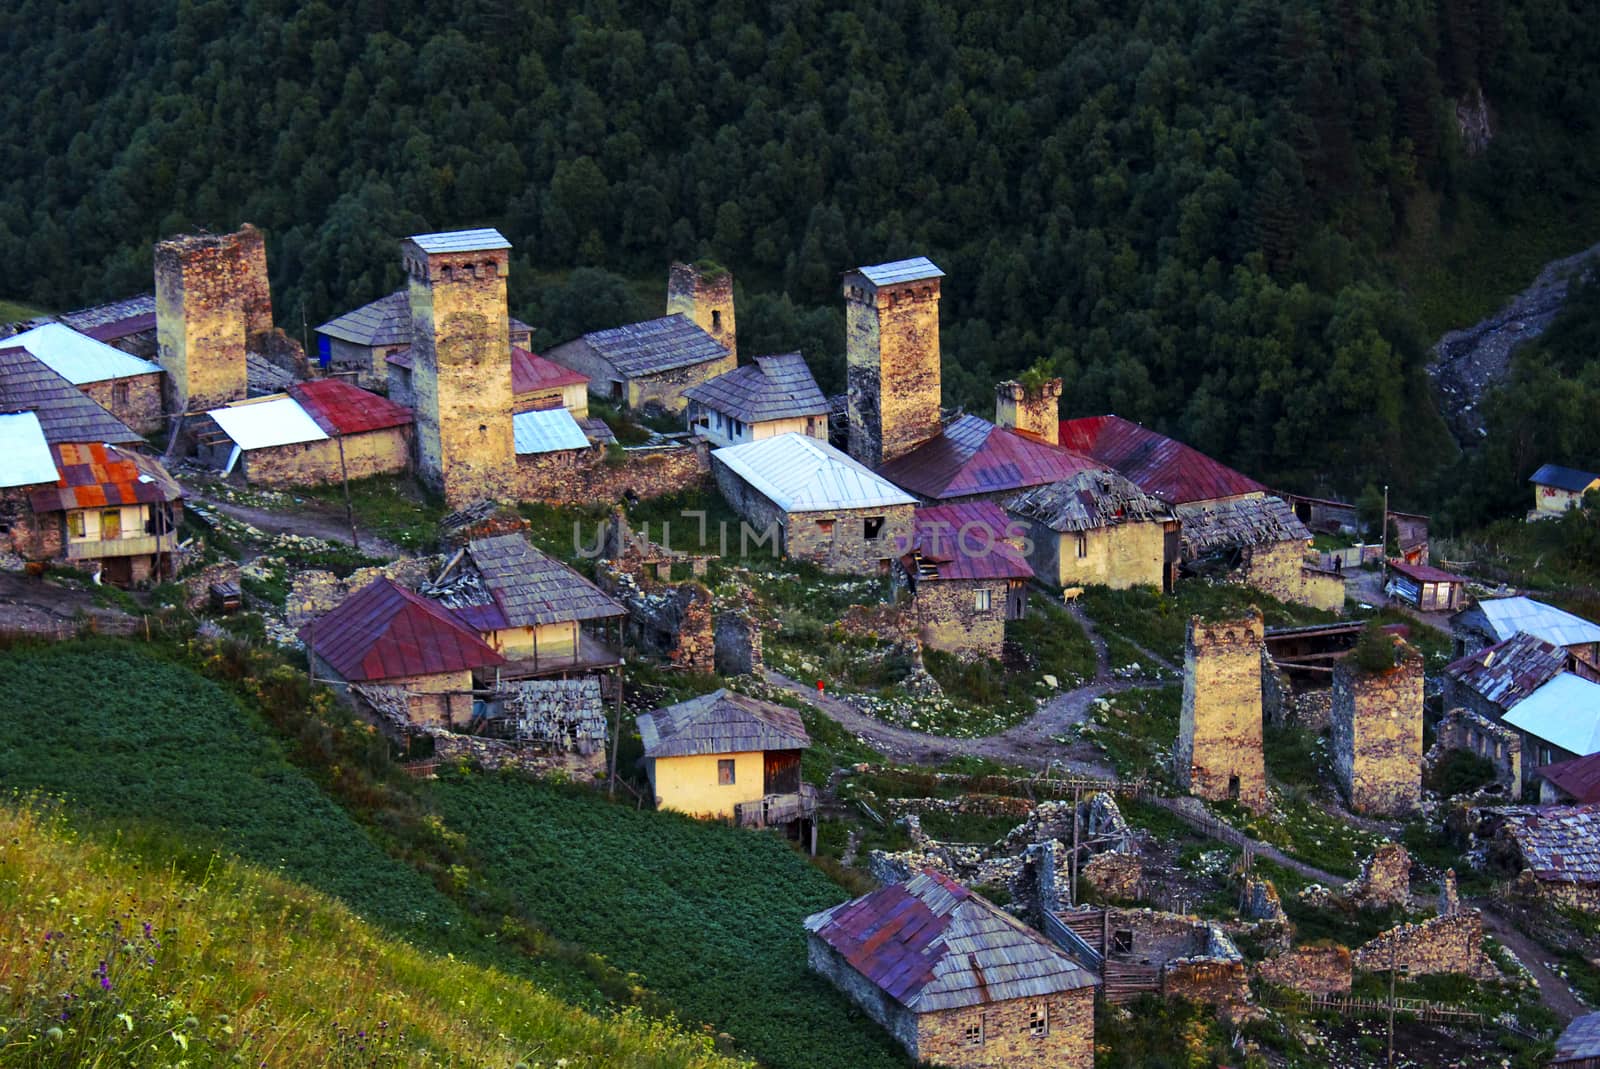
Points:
(530, 372)
(384, 631)
(972, 457)
(1424, 573)
(339, 407)
(1579, 778)
(1509, 671)
(93, 474)
(1174, 472)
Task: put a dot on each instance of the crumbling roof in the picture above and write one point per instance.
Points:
(1570, 479)
(1504, 617)
(655, 345)
(597, 430)
(566, 713)
(340, 407)
(530, 372)
(774, 387)
(263, 377)
(1088, 500)
(1509, 671)
(1565, 712)
(385, 321)
(972, 456)
(119, 319)
(551, 430)
(92, 475)
(930, 944)
(1165, 467)
(798, 473)
(384, 631)
(1578, 1042)
(966, 540)
(65, 414)
(1560, 843)
(1424, 573)
(915, 269)
(28, 460)
(530, 588)
(1578, 778)
(79, 358)
(479, 240)
(721, 722)
(1208, 526)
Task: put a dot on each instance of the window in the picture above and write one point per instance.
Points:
(119, 393)
(1039, 1020)
(716, 320)
(725, 772)
(980, 600)
(871, 527)
(76, 525)
(111, 524)
(1122, 941)
(1083, 545)
(973, 1033)
(825, 527)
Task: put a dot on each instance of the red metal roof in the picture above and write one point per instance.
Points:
(973, 456)
(1578, 778)
(1424, 573)
(967, 540)
(94, 474)
(530, 371)
(384, 631)
(1158, 465)
(342, 408)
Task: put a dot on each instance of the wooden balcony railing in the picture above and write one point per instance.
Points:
(135, 546)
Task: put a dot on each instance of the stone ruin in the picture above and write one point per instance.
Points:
(1384, 882)
(1377, 735)
(1219, 754)
(1462, 729)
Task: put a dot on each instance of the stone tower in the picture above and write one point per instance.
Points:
(1377, 735)
(1032, 409)
(461, 364)
(892, 358)
(1219, 735)
(704, 293)
(212, 304)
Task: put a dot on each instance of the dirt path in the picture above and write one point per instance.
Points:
(303, 521)
(1553, 991)
(42, 607)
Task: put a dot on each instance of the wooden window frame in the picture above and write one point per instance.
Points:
(982, 601)
(973, 1034)
(1039, 1020)
(726, 772)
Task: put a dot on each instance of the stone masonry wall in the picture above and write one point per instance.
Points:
(1311, 970)
(586, 477)
(1279, 569)
(313, 593)
(380, 452)
(1462, 729)
(738, 643)
(1219, 754)
(1008, 1041)
(892, 367)
(895, 1018)
(211, 299)
(948, 618)
(665, 389)
(1035, 411)
(1377, 736)
(31, 536)
(707, 298)
(142, 409)
(1449, 944)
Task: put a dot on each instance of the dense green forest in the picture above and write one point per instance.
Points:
(1189, 208)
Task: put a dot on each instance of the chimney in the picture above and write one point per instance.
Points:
(703, 292)
(1033, 409)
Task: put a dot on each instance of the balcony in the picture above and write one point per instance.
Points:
(131, 546)
(590, 655)
(775, 809)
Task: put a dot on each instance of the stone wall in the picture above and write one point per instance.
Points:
(1007, 1032)
(671, 620)
(898, 1021)
(664, 390)
(314, 593)
(493, 755)
(1450, 944)
(892, 367)
(948, 617)
(737, 642)
(1218, 755)
(590, 476)
(706, 297)
(380, 452)
(1120, 556)
(211, 301)
(197, 587)
(136, 400)
(1377, 735)
(1113, 875)
(1462, 729)
(1385, 879)
(1312, 970)
(1035, 410)
(1218, 981)
(31, 536)
(1279, 569)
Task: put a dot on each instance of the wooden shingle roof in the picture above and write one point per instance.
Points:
(1207, 526)
(385, 321)
(774, 387)
(65, 414)
(721, 722)
(656, 345)
(1087, 501)
(532, 588)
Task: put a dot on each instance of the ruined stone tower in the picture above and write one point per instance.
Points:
(212, 303)
(1031, 409)
(892, 358)
(1218, 755)
(461, 364)
(704, 293)
(1377, 735)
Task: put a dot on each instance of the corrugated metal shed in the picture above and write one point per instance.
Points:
(267, 422)
(27, 460)
(1209, 526)
(774, 387)
(530, 372)
(721, 722)
(1087, 501)
(92, 475)
(1580, 1040)
(549, 431)
(798, 473)
(532, 588)
(77, 357)
(930, 945)
(655, 345)
(1509, 671)
(972, 456)
(1570, 479)
(339, 407)
(386, 321)
(384, 631)
(119, 319)
(1565, 712)
(913, 270)
(1558, 842)
(65, 414)
(1507, 616)
(1578, 778)
(1174, 472)
(478, 240)
(1424, 573)
(967, 540)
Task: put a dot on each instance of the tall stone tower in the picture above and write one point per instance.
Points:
(892, 358)
(1033, 409)
(461, 363)
(212, 303)
(704, 293)
(1377, 735)
(1218, 755)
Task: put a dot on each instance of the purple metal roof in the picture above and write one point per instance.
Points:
(968, 540)
(1579, 778)
(973, 457)
(1174, 472)
(384, 631)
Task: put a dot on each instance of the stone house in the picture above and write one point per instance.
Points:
(538, 385)
(1462, 729)
(966, 577)
(955, 980)
(1494, 620)
(128, 324)
(1539, 689)
(649, 363)
(1428, 588)
(119, 512)
(1097, 528)
(385, 634)
(775, 395)
(30, 465)
(317, 433)
(811, 502)
(1557, 489)
(360, 342)
(728, 756)
(1570, 782)
(124, 385)
(1553, 849)
(1148, 950)
(65, 414)
(1377, 735)
(1219, 754)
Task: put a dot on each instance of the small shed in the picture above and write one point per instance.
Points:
(1555, 850)
(1557, 489)
(648, 363)
(316, 433)
(775, 395)
(360, 340)
(125, 385)
(1428, 588)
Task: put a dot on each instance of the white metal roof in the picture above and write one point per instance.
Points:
(1565, 712)
(547, 432)
(1509, 615)
(268, 422)
(462, 240)
(799, 473)
(78, 358)
(25, 458)
(912, 270)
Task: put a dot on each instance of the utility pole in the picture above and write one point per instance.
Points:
(1391, 944)
(344, 477)
(1383, 535)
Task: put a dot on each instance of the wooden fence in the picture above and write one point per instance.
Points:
(1421, 1009)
